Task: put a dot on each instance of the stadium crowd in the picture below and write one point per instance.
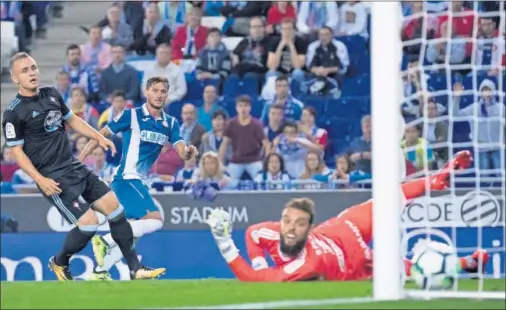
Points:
(299, 69)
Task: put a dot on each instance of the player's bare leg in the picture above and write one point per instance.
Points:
(75, 241)
(106, 251)
(121, 232)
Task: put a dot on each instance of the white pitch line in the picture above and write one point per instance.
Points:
(285, 304)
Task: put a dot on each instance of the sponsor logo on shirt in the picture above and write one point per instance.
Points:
(153, 137)
(53, 121)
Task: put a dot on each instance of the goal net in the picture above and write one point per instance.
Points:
(451, 87)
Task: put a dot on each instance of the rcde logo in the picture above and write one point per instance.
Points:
(53, 121)
(480, 208)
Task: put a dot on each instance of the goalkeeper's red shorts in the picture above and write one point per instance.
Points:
(352, 230)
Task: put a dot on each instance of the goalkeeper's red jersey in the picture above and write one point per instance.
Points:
(324, 256)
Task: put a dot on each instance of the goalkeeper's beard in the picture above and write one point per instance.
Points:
(292, 250)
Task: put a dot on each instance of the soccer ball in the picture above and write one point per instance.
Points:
(434, 266)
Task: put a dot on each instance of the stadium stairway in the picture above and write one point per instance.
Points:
(50, 53)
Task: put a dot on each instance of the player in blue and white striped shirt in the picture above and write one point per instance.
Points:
(145, 131)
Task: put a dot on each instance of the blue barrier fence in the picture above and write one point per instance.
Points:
(190, 254)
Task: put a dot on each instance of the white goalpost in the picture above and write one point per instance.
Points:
(387, 96)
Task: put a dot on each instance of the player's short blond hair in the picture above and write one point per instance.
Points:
(303, 204)
(16, 57)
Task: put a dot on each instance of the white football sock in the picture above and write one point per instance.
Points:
(112, 258)
(139, 229)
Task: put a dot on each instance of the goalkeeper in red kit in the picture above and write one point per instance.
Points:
(337, 249)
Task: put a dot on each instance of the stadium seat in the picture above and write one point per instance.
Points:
(338, 128)
(356, 86)
(317, 102)
(355, 44)
(257, 106)
(231, 42)
(344, 107)
(213, 21)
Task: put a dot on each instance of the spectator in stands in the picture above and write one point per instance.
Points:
(489, 50)
(118, 105)
(287, 55)
(211, 140)
(414, 27)
(188, 172)
(327, 60)
(360, 148)
(190, 38)
(214, 59)
(191, 130)
(96, 53)
(78, 146)
(246, 136)
(151, 32)
(163, 66)
(37, 9)
(485, 120)
(436, 52)
(314, 165)
(273, 171)
(279, 11)
(117, 31)
(132, 13)
(313, 15)
(81, 74)
(239, 14)
(294, 147)
(210, 105)
(353, 19)
(167, 164)
(173, 13)
(8, 165)
(100, 167)
(344, 175)
(275, 124)
(417, 149)
(316, 135)
(211, 170)
(250, 55)
(292, 107)
(80, 107)
(120, 76)
(436, 132)
(462, 19)
(11, 11)
(63, 85)
(213, 8)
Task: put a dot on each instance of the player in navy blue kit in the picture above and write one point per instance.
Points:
(145, 131)
(33, 124)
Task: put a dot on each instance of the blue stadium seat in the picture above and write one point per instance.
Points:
(438, 82)
(229, 106)
(231, 87)
(257, 106)
(338, 128)
(355, 44)
(344, 107)
(174, 109)
(356, 86)
(317, 102)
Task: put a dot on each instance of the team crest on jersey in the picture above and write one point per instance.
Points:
(53, 121)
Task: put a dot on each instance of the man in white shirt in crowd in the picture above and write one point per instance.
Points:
(353, 19)
(313, 15)
(164, 67)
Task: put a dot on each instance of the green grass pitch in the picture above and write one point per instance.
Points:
(167, 294)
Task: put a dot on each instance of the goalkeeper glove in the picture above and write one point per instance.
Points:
(221, 228)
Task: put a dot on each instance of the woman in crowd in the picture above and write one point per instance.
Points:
(79, 144)
(314, 166)
(273, 171)
(81, 108)
(189, 170)
(211, 171)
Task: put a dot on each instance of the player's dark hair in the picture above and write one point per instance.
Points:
(265, 166)
(282, 78)
(311, 110)
(16, 57)
(155, 80)
(290, 124)
(72, 47)
(213, 30)
(327, 28)
(118, 93)
(303, 204)
(219, 113)
(277, 106)
(243, 99)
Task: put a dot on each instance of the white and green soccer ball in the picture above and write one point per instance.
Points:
(435, 265)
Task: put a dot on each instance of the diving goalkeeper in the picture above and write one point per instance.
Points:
(334, 250)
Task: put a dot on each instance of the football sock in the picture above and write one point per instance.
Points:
(75, 240)
(414, 188)
(407, 267)
(139, 229)
(113, 257)
(121, 233)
